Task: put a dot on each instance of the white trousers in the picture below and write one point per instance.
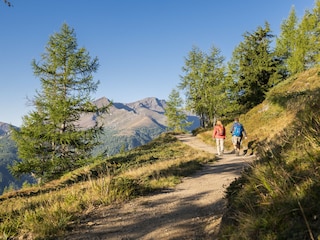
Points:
(220, 145)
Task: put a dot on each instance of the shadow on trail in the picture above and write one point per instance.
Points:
(220, 168)
(182, 217)
(181, 221)
(184, 212)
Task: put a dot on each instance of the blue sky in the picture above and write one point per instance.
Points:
(140, 44)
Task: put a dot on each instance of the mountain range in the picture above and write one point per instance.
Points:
(126, 126)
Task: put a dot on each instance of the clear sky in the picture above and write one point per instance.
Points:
(141, 44)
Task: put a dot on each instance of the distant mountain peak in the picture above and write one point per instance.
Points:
(103, 101)
(150, 103)
(4, 128)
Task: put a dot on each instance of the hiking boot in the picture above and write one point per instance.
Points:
(237, 152)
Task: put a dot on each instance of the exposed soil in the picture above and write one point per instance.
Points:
(192, 210)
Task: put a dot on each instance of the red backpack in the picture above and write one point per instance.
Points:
(220, 131)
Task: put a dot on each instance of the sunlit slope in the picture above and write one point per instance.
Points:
(282, 105)
(268, 120)
(278, 197)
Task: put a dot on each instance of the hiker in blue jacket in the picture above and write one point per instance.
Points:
(238, 133)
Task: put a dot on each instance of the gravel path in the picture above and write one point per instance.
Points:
(192, 210)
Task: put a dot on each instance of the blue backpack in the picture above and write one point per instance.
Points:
(237, 130)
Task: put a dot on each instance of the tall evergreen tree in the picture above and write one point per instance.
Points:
(174, 111)
(254, 68)
(286, 44)
(297, 61)
(308, 49)
(50, 140)
(192, 80)
(205, 84)
(298, 44)
(315, 37)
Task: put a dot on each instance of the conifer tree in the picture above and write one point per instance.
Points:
(286, 44)
(51, 141)
(205, 84)
(255, 69)
(192, 80)
(298, 44)
(297, 60)
(308, 43)
(315, 41)
(176, 118)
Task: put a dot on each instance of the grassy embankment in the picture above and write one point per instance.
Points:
(44, 212)
(278, 197)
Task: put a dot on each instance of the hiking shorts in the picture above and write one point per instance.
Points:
(236, 140)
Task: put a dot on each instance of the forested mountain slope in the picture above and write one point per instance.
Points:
(8, 153)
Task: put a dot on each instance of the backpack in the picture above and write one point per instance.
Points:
(237, 130)
(220, 131)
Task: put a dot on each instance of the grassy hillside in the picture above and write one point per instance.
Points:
(278, 197)
(44, 212)
(270, 119)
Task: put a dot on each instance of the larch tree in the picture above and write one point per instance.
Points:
(315, 41)
(51, 141)
(286, 43)
(215, 100)
(308, 39)
(297, 60)
(204, 84)
(174, 111)
(192, 80)
(298, 44)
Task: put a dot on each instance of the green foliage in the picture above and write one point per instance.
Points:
(254, 69)
(277, 198)
(205, 85)
(306, 52)
(286, 45)
(214, 91)
(122, 188)
(50, 141)
(176, 118)
(298, 44)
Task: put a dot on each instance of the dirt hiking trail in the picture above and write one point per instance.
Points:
(192, 210)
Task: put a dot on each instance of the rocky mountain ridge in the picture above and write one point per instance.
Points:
(124, 118)
(130, 125)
